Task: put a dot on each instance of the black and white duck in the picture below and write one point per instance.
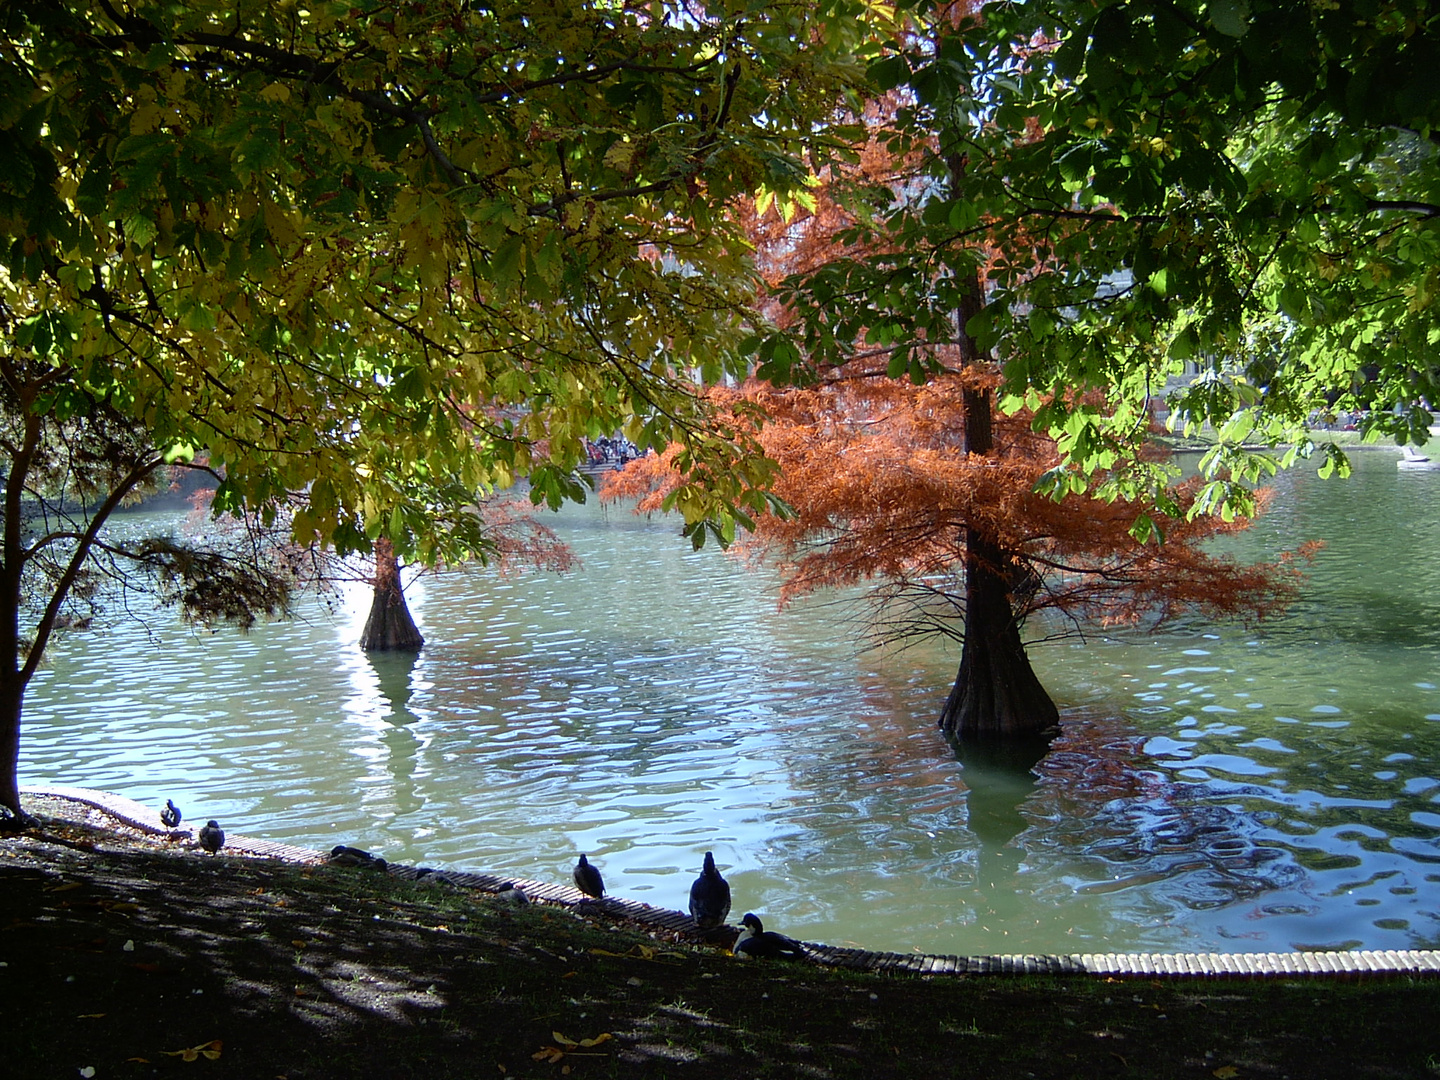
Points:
(170, 816)
(757, 943)
(342, 855)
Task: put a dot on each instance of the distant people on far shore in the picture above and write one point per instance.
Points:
(615, 452)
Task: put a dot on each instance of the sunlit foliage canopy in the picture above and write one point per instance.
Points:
(1236, 202)
(391, 255)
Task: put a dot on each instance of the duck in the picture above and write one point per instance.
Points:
(212, 837)
(341, 855)
(709, 896)
(757, 943)
(170, 816)
(588, 879)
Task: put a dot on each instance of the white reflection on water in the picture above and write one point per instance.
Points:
(1215, 788)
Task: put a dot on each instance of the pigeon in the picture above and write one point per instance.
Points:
(588, 879)
(755, 942)
(212, 837)
(709, 896)
(510, 893)
(341, 855)
(170, 816)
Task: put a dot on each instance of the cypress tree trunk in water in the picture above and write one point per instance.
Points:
(389, 627)
(996, 692)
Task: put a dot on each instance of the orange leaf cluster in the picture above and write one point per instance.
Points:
(882, 491)
(521, 540)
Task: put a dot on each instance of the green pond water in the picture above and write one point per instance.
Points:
(1215, 788)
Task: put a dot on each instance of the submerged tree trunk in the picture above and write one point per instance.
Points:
(996, 692)
(389, 627)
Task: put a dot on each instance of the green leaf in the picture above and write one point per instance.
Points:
(506, 267)
(888, 73)
(1230, 17)
(1144, 530)
(1238, 427)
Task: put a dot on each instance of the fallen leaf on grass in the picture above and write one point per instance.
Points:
(143, 1061)
(638, 952)
(596, 1041)
(1226, 1072)
(568, 1047)
(89, 1016)
(210, 1051)
(65, 887)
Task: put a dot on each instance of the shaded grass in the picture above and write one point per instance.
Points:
(118, 958)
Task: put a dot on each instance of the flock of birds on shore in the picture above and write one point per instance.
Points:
(709, 906)
(709, 895)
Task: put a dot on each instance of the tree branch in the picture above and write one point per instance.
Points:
(46, 625)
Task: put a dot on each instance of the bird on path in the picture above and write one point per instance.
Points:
(757, 943)
(341, 855)
(510, 893)
(709, 896)
(170, 816)
(212, 837)
(588, 879)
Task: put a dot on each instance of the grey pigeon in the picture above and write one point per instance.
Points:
(588, 879)
(709, 896)
(212, 837)
(510, 893)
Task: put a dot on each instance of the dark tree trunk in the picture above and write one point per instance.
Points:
(10, 702)
(389, 627)
(996, 693)
(13, 679)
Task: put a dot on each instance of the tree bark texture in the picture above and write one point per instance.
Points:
(10, 702)
(997, 694)
(389, 627)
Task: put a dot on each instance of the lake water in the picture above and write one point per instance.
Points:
(1216, 788)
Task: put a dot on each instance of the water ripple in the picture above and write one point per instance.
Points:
(1211, 790)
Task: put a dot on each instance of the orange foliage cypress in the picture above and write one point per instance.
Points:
(881, 491)
(927, 489)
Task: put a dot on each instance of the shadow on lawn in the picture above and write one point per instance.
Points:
(138, 962)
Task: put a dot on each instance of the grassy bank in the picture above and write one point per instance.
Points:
(138, 961)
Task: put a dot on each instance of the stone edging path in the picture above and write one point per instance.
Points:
(1413, 962)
